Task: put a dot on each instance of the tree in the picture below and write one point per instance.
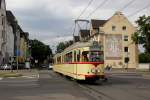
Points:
(144, 58)
(63, 45)
(39, 50)
(60, 47)
(142, 36)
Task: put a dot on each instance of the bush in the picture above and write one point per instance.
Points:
(144, 58)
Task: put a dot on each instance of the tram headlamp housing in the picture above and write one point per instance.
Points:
(98, 70)
(93, 70)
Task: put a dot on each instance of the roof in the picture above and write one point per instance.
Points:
(84, 33)
(20, 29)
(25, 35)
(10, 17)
(12, 20)
(97, 23)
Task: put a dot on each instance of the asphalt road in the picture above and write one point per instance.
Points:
(51, 86)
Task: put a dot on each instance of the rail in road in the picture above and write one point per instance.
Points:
(98, 95)
(123, 87)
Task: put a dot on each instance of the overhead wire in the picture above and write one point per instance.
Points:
(100, 5)
(90, 2)
(83, 11)
(134, 13)
(127, 5)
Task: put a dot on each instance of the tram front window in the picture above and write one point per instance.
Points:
(92, 56)
(96, 56)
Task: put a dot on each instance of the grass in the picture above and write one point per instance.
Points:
(4, 75)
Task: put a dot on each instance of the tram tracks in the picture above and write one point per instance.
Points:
(98, 95)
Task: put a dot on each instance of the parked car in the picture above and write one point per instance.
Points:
(6, 67)
(44, 66)
(50, 67)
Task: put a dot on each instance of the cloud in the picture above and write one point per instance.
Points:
(51, 21)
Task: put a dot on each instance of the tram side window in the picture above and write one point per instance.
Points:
(54, 60)
(78, 56)
(68, 57)
(59, 60)
(85, 56)
(75, 56)
(63, 57)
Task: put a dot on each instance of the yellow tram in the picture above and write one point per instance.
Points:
(81, 61)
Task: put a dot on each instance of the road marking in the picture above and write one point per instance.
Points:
(1, 78)
(12, 77)
(28, 77)
(38, 75)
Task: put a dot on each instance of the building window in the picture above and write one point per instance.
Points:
(113, 28)
(126, 59)
(126, 49)
(124, 28)
(126, 38)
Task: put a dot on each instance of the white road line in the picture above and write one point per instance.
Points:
(12, 77)
(28, 77)
(1, 78)
(38, 75)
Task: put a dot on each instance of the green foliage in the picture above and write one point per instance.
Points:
(60, 47)
(39, 50)
(63, 45)
(142, 36)
(144, 58)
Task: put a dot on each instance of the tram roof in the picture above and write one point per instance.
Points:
(79, 45)
(76, 45)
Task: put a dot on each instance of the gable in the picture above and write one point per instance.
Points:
(118, 20)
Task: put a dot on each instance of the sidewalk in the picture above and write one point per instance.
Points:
(145, 74)
(121, 71)
(21, 73)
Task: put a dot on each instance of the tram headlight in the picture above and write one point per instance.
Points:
(93, 70)
(98, 70)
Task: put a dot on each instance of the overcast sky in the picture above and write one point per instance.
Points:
(51, 21)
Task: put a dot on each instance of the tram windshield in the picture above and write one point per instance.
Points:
(92, 56)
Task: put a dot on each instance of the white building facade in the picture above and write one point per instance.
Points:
(3, 35)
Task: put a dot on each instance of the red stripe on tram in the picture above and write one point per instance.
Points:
(93, 63)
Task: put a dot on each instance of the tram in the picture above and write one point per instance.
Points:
(81, 61)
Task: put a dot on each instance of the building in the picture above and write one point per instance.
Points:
(10, 34)
(13, 41)
(17, 44)
(115, 36)
(23, 47)
(3, 35)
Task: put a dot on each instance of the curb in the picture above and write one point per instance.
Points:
(146, 76)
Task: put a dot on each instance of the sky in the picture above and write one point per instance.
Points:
(52, 21)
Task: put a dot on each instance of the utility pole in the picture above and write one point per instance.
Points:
(17, 43)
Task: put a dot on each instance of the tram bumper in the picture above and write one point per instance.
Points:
(94, 77)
